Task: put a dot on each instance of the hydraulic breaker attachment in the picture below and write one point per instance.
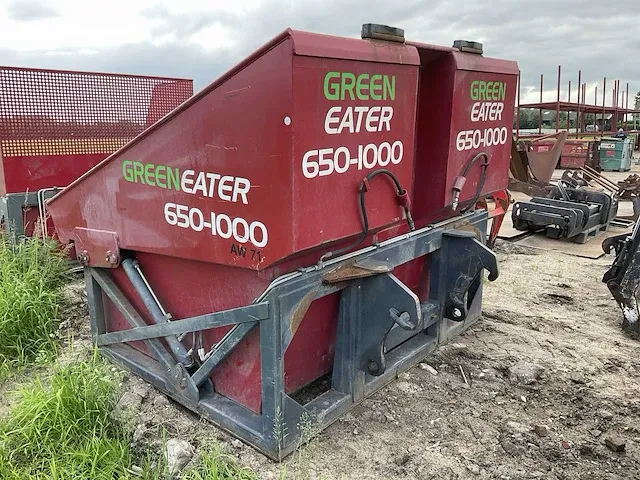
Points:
(623, 277)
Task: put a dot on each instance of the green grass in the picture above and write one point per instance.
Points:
(63, 430)
(215, 465)
(32, 274)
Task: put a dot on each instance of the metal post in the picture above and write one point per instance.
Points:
(626, 113)
(518, 111)
(614, 102)
(569, 101)
(617, 103)
(558, 102)
(604, 96)
(595, 102)
(583, 117)
(580, 98)
(540, 111)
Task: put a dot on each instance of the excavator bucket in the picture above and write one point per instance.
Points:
(542, 164)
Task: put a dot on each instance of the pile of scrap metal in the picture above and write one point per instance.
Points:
(590, 178)
(530, 171)
(573, 211)
(630, 187)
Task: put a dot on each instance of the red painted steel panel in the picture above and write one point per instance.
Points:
(32, 173)
(458, 119)
(347, 138)
(56, 124)
(234, 136)
(272, 185)
(218, 288)
(308, 44)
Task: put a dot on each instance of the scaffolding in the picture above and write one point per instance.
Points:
(618, 112)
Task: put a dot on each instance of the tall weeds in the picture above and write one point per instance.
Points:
(32, 275)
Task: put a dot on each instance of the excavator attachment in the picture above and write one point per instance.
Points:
(530, 171)
(623, 277)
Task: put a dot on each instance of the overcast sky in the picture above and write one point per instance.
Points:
(200, 39)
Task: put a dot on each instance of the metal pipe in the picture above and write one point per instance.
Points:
(626, 113)
(518, 111)
(131, 268)
(604, 96)
(558, 102)
(602, 178)
(613, 109)
(599, 181)
(540, 111)
(583, 117)
(595, 172)
(165, 314)
(582, 92)
(580, 97)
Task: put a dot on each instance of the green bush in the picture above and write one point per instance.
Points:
(32, 274)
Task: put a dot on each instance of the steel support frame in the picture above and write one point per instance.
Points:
(457, 256)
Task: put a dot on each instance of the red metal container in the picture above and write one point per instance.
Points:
(56, 125)
(574, 152)
(260, 174)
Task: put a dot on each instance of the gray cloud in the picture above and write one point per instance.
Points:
(184, 25)
(186, 60)
(539, 35)
(30, 10)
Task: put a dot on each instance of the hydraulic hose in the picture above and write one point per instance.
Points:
(458, 185)
(403, 199)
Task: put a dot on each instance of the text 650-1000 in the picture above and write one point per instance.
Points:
(326, 161)
(219, 224)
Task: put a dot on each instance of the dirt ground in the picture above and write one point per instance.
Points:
(550, 376)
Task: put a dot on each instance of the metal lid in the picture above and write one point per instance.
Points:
(382, 32)
(468, 46)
